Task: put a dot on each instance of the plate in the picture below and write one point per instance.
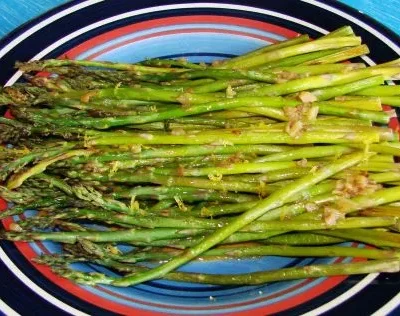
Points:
(130, 31)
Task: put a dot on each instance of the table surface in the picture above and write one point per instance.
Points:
(17, 12)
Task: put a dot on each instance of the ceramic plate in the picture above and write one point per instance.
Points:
(129, 31)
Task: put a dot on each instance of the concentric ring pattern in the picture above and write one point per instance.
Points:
(201, 33)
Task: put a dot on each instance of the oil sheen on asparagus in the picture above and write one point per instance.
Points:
(282, 151)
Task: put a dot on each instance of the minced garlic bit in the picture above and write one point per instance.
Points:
(178, 131)
(215, 177)
(180, 203)
(302, 163)
(298, 116)
(113, 250)
(312, 113)
(221, 142)
(294, 128)
(230, 93)
(355, 184)
(311, 207)
(314, 169)
(332, 215)
(94, 166)
(306, 97)
(283, 76)
(146, 136)
(232, 159)
(184, 99)
(135, 148)
(302, 112)
(87, 96)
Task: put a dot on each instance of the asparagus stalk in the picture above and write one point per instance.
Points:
(187, 194)
(270, 250)
(19, 163)
(303, 239)
(341, 31)
(105, 123)
(306, 152)
(244, 137)
(179, 151)
(141, 235)
(393, 211)
(231, 252)
(302, 48)
(322, 81)
(275, 200)
(43, 64)
(167, 63)
(371, 104)
(236, 61)
(239, 168)
(17, 179)
(175, 134)
(339, 55)
(384, 91)
(301, 59)
(368, 236)
(257, 226)
(331, 92)
(313, 271)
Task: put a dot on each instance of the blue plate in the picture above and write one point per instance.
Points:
(128, 31)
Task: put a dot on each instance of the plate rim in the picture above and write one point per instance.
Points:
(10, 37)
(21, 29)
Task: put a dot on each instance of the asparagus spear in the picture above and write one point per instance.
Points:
(388, 265)
(17, 179)
(40, 65)
(236, 61)
(244, 137)
(144, 235)
(273, 201)
(302, 48)
(257, 226)
(220, 128)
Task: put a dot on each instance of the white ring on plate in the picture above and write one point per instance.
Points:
(35, 288)
(364, 25)
(7, 309)
(388, 307)
(344, 296)
(43, 23)
(3, 256)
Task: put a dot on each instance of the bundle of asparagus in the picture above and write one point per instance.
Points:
(282, 151)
